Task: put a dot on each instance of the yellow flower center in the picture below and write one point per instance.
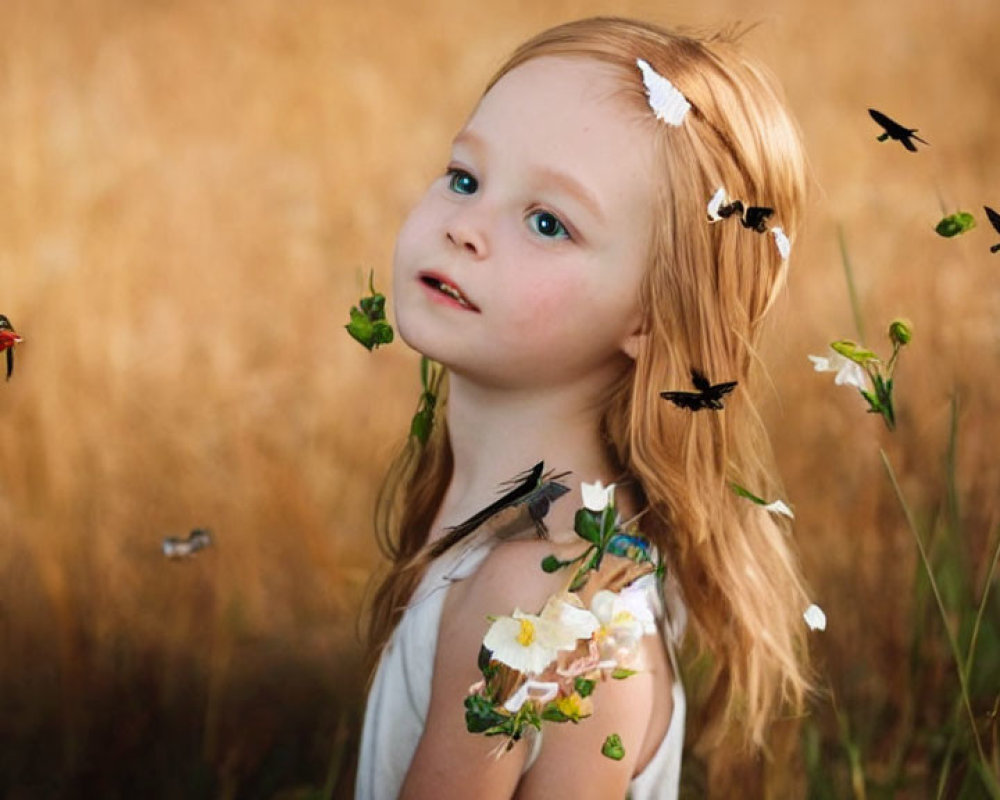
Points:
(621, 618)
(570, 705)
(527, 633)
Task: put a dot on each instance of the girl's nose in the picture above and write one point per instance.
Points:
(464, 233)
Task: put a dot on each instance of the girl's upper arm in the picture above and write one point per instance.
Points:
(451, 762)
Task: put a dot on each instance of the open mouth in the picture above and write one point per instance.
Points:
(449, 290)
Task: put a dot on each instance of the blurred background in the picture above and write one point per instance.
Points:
(192, 195)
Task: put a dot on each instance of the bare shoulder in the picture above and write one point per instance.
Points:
(512, 576)
(449, 761)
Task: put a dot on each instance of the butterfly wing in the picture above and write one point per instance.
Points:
(993, 217)
(692, 401)
(726, 211)
(756, 217)
(701, 383)
(714, 394)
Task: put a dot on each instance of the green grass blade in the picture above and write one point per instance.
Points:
(952, 642)
(987, 583)
(852, 291)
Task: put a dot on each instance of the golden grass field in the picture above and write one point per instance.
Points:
(190, 196)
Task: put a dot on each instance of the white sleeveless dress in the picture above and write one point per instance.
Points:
(400, 693)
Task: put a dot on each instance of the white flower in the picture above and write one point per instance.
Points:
(779, 507)
(529, 643)
(848, 372)
(625, 617)
(781, 240)
(537, 691)
(815, 618)
(664, 98)
(569, 614)
(596, 496)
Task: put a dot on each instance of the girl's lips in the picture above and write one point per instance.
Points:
(444, 290)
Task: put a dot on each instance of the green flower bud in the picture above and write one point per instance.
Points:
(954, 224)
(900, 331)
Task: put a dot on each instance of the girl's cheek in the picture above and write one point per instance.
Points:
(546, 301)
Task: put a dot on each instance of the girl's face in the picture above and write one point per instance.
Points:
(521, 265)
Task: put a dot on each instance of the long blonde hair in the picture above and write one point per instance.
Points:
(704, 296)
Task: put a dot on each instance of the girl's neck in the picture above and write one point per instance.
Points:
(498, 434)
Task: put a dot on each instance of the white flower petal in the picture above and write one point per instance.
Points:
(538, 691)
(815, 618)
(820, 364)
(848, 372)
(779, 507)
(784, 246)
(573, 621)
(504, 640)
(664, 98)
(715, 203)
(596, 496)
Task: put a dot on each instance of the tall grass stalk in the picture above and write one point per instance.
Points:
(852, 291)
(952, 641)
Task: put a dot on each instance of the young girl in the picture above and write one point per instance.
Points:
(601, 234)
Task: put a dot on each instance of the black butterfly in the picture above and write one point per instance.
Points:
(533, 494)
(893, 130)
(753, 217)
(707, 396)
(994, 219)
(198, 539)
(8, 338)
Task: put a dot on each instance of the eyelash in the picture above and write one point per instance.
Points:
(454, 175)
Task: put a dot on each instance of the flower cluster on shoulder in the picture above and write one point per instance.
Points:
(545, 667)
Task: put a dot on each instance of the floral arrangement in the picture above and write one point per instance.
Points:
(545, 667)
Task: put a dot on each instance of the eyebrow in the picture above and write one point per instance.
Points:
(546, 174)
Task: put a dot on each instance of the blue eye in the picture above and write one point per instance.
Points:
(547, 224)
(461, 182)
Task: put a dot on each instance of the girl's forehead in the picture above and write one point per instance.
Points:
(569, 113)
(576, 85)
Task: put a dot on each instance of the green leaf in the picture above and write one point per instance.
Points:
(368, 324)
(480, 716)
(587, 526)
(361, 328)
(551, 564)
(382, 333)
(613, 748)
(553, 714)
(483, 661)
(609, 523)
(425, 365)
(420, 426)
(857, 353)
(621, 673)
(739, 490)
(584, 687)
(954, 224)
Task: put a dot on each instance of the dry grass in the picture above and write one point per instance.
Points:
(189, 195)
